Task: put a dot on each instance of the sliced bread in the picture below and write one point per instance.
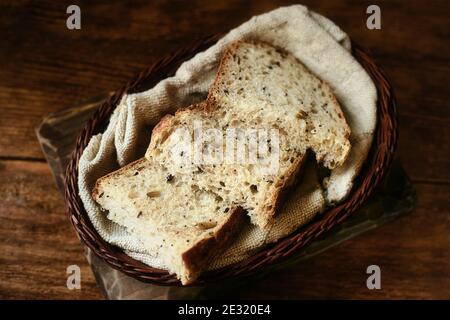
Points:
(257, 87)
(260, 82)
(186, 209)
(182, 225)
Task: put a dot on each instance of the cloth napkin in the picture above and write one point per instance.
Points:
(320, 45)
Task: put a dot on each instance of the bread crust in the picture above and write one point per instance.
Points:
(293, 176)
(201, 253)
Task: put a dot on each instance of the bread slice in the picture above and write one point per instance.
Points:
(184, 226)
(255, 186)
(264, 83)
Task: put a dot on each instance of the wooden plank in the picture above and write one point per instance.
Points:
(36, 240)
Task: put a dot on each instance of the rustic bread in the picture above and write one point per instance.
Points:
(183, 225)
(253, 185)
(261, 82)
(185, 210)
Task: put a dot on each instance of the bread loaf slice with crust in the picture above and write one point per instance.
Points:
(261, 82)
(257, 186)
(184, 226)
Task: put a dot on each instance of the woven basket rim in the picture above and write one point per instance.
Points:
(374, 169)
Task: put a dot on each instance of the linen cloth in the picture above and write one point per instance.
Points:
(319, 44)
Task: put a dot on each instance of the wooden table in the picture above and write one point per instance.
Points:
(46, 67)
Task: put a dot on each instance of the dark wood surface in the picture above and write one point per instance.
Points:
(46, 67)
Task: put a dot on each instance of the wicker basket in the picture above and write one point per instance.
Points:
(373, 171)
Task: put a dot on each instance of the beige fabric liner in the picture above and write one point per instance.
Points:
(314, 40)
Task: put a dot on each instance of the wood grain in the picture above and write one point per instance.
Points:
(36, 241)
(46, 67)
